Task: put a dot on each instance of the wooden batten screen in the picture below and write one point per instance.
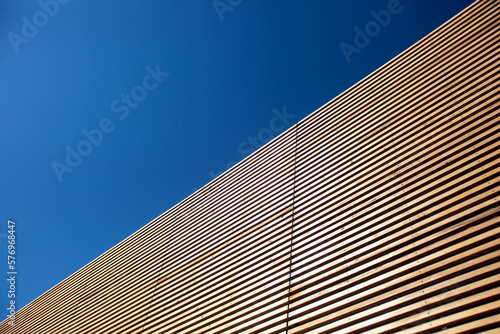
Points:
(378, 213)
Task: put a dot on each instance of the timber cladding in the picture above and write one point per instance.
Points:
(378, 213)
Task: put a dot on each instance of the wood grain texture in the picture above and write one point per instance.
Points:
(377, 213)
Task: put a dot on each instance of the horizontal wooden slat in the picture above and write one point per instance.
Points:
(377, 213)
(475, 326)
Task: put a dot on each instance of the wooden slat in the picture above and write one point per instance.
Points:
(474, 326)
(377, 213)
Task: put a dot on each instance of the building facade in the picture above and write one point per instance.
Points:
(378, 213)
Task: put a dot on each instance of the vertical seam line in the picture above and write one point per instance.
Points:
(156, 283)
(291, 230)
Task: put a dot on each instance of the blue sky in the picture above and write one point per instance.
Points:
(111, 112)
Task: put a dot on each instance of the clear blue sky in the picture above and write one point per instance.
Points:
(175, 89)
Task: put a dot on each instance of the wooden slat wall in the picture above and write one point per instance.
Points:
(396, 215)
(378, 213)
(230, 255)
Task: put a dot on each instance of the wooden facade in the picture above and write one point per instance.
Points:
(378, 213)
